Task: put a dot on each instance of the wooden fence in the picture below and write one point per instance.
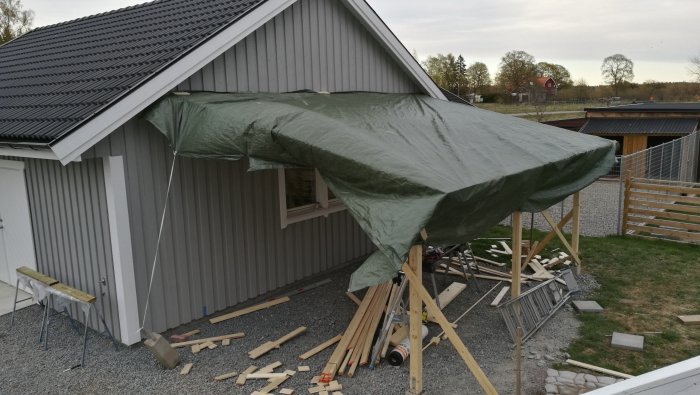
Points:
(662, 209)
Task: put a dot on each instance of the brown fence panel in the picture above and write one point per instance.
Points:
(662, 209)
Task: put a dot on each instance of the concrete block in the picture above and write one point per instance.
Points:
(161, 349)
(587, 306)
(627, 341)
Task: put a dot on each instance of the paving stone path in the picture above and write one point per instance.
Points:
(563, 382)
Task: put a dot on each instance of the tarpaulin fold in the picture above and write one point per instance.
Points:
(399, 162)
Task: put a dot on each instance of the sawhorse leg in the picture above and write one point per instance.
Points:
(14, 306)
(46, 335)
(87, 316)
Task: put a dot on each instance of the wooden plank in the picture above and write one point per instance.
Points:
(664, 197)
(548, 238)
(225, 376)
(506, 248)
(269, 346)
(576, 226)
(675, 207)
(499, 264)
(398, 336)
(448, 295)
(500, 296)
(264, 375)
(561, 237)
(286, 391)
(42, 278)
(74, 293)
(415, 335)
(598, 369)
(249, 310)
(269, 368)
(376, 319)
(664, 222)
(690, 319)
(209, 339)
(666, 215)
(320, 347)
(186, 369)
(353, 298)
(450, 332)
(517, 221)
(244, 375)
(665, 188)
(665, 232)
(276, 382)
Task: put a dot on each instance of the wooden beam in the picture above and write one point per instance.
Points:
(517, 217)
(415, 265)
(250, 309)
(449, 331)
(561, 237)
(320, 347)
(209, 339)
(576, 226)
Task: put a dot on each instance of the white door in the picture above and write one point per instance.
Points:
(16, 241)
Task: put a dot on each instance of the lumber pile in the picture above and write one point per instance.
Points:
(355, 345)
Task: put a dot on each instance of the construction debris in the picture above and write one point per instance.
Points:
(237, 335)
(250, 309)
(320, 347)
(302, 368)
(186, 369)
(183, 337)
(244, 375)
(500, 296)
(225, 376)
(269, 346)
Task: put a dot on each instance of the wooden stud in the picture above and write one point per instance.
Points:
(450, 332)
(320, 347)
(576, 227)
(186, 369)
(209, 339)
(517, 217)
(448, 295)
(415, 265)
(248, 310)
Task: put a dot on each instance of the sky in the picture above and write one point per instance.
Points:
(659, 36)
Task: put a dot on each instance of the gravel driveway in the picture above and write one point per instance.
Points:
(325, 311)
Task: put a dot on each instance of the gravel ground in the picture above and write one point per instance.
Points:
(600, 209)
(325, 311)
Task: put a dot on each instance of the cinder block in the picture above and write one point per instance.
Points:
(627, 341)
(587, 306)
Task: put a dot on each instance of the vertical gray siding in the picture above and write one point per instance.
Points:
(222, 242)
(315, 44)
(68, 210)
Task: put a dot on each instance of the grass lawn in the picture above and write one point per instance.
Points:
(645, 284)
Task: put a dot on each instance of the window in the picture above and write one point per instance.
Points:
(304, 195)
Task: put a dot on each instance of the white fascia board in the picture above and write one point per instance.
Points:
(375, 24)
(31, 153)
(680, 378)
(136, 101)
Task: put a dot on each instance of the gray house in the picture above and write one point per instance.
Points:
(83, 178)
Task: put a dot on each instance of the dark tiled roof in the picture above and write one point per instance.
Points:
(55, 77)
(573, 124)
(454, 98)
(651, 107)
(651, 126)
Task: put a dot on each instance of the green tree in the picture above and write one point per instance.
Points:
(14, 20)
(516, 70)
(617, 70)
(557, 72)
(478, 77)
(446, 71)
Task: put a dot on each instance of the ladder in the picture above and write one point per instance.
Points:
(534, 307)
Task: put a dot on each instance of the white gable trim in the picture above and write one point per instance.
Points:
(376, 25)
(32, 153)
(99, 127)
(136, 101)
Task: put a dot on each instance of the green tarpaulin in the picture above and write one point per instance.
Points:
(399, 162)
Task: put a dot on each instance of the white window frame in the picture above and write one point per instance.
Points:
(323, 206)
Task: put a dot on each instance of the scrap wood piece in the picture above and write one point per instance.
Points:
(264, 375)
(542, 244)
(244, 375)
(186, 369)
(499, 264)
(269, 368)
(320, 347)
(354, 298)
(289, 372)
(500, 296)
(561, 237)
(506, 248)
(286, 391)
(273, 385)
(210, 345)
(250, 309)
(209, 339)
(196, 349)
(448, 295)
(183, 337)
(225, 376)
(690, 319)
(303, 368)
(269, 346)
(226, 342)
(598, 369)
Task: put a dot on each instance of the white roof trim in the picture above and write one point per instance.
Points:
(99, 127)
(376, 25)
(96, 129)
(32, 153)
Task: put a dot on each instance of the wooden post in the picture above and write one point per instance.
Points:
(415, 260)
(626, 205)
(517, 250)
(576, 226)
